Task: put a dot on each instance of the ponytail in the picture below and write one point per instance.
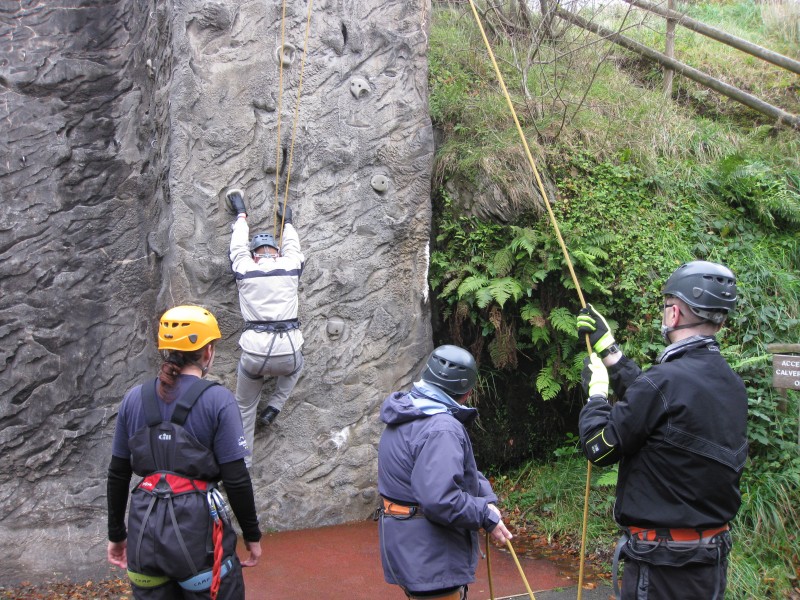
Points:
(174, 362)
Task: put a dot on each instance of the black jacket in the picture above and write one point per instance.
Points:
(679, 432)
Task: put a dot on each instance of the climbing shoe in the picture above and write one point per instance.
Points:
(267, 416)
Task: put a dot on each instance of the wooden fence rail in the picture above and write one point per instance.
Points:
(780, 116)
(717, 34)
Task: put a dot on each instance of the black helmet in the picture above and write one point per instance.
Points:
(708, 288)
(452, 369)
(263, 239)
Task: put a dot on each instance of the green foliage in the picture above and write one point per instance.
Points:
(548, 497)
(767, 544)
(764, 195)
(497, 278)
(642, 185)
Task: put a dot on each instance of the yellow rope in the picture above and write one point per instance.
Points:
(519, 566)
(280, 110)
(561, 243)
(489, 567)
(296, 119)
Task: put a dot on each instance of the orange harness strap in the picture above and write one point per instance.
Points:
(653, 534)
(393, 509)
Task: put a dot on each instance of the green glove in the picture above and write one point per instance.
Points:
(591, 322)
(594, 377)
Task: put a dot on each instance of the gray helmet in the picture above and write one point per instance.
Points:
(708, 288)
(263, 239)
(452, 369)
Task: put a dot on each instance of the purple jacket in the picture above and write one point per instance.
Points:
(425, 458)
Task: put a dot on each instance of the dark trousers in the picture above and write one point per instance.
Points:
(643, 581)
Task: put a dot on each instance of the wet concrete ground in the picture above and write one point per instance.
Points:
(343, 563)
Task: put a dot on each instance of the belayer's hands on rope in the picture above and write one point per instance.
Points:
(284, 216)
(254, 550)
(236, 201)
(592, 323)
(594, 378)
(500, 532)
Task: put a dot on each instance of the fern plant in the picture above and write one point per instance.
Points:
(507, 282)
(766, 196)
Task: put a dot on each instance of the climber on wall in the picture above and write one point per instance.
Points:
(268, 276)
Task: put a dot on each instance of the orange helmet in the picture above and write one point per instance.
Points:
(187, 328)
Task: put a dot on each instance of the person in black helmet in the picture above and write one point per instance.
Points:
(268, 278)
(679, 433)
(434, 499)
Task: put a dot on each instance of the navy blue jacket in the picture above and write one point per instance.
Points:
(425, 458)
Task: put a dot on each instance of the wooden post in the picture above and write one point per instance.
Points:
(669, 50)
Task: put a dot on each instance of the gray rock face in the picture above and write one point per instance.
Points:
(124, 124)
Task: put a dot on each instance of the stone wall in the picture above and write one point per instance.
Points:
(124, 124)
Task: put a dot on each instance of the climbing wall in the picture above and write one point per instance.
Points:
(124, 125)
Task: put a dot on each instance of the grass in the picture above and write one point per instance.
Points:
(548, 497)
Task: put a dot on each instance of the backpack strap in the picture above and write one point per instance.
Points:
(186, 402)
(152, 414)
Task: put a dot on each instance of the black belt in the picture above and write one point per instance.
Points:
(272, 326)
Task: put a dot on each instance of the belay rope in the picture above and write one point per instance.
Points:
(294, 124)
(516, 561)
(216, 507)
(563, 246)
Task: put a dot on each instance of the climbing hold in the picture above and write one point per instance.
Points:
(380, 183)
(359, 87)
(288, 54)
(266, 104)
(335, 327)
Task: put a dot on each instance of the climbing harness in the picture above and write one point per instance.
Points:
(672, 547)
(275, 327)
(400, 510)
(567, 259)
(271, 326)
(162, 483)
(295, 120)
(197, 583)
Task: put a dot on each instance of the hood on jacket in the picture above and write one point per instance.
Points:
(423, 401)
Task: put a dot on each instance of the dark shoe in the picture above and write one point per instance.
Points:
(267, 416)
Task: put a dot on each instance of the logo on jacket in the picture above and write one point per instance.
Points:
(164, 437)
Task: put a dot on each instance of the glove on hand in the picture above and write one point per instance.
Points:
(591, 322)
(594, 376)
(236, 201)
(286, 216)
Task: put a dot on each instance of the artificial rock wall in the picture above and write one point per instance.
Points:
(123, 125)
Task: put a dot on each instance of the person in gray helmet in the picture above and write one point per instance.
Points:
(268, 276)
(434, 500)
(679, 433)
